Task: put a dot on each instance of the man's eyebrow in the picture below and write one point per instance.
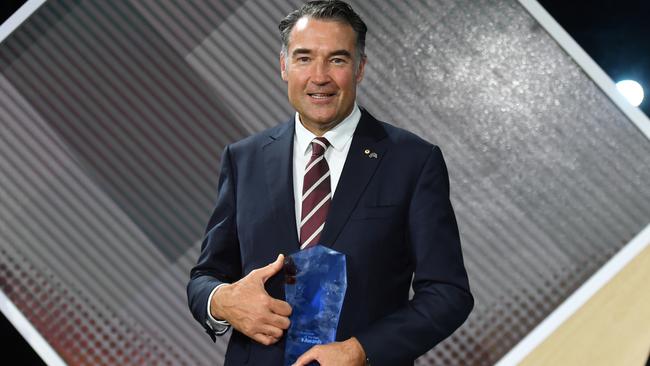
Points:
(303, 51)
(345, 53)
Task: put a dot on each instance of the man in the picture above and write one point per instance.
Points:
(333, 176)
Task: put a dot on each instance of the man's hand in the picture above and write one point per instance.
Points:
(346, 353)
(247, 306)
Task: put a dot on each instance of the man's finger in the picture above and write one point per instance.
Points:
(271, 331)
(279, 321)
(307, 357)
(280, 307)
(269, 270)
(264, 339)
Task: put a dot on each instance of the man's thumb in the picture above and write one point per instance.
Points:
(272, 268)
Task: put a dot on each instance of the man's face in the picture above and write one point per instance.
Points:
(319, 68)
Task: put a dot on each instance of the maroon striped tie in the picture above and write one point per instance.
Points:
(316, 194)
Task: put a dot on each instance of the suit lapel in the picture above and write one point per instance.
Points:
(278, 158)
(358, 169)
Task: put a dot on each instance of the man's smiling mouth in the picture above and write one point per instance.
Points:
(321, 95)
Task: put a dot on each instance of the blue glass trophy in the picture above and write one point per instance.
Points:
(315, 284)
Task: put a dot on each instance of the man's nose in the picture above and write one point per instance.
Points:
(320, 74)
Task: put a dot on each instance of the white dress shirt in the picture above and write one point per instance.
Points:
(340, 139)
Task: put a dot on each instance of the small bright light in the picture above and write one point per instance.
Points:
(631, 90)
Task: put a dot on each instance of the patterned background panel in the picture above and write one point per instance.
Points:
(114, 116)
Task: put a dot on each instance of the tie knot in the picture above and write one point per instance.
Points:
(319, 145)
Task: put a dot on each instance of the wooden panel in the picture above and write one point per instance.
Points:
(612, 328)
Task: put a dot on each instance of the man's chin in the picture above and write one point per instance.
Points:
(320, 122)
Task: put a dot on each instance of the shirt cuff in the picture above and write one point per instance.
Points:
(219, 327)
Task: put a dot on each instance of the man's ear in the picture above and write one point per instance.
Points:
(283, 66)
(361, 69)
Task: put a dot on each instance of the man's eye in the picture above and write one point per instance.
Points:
(303, 59)
(338, 61)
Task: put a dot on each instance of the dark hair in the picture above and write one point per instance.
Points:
(335, 10)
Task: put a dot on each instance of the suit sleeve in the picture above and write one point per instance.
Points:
(219, 261)
(442, 300)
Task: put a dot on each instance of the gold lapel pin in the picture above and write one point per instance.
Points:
(370, 154)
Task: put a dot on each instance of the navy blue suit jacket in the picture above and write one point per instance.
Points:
(391, 216)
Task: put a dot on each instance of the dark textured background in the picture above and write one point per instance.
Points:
(613, 32)
(114, 116)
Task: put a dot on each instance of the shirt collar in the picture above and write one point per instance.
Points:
(338, 136)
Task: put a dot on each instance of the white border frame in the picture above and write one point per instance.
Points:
(16, 19)
(639, 243)
(27, 330)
